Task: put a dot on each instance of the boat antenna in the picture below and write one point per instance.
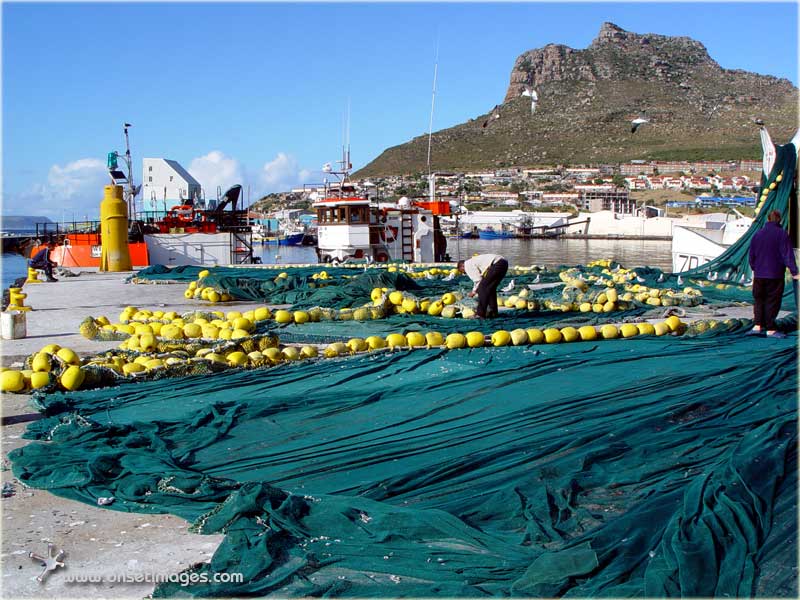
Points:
(430, 122)
(132, 189)
(346, 166)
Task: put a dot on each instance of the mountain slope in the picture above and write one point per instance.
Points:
(587, 99)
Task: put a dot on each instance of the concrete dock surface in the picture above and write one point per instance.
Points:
(99, 542)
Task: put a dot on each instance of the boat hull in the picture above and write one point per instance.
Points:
(494, 235)
(199, 249)
(294, 239)
(85, 251)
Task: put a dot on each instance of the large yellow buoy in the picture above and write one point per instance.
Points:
(395, 340)
(416, 339)
(609, 331)
(283, 316)
(434, 338)
(114, 253)
(72, 378)
(519, 337)
(535, 336)
(455, 340)
(501, 337)
(68, 356)
(12, 381)
(569, 334)
(475, 339)
(375, 342)
(552, 335)
(41, 362)
(310, 351)
(357, 345)
(39, 379)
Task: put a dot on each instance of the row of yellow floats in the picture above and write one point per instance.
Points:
(501, 337)
(53, 363)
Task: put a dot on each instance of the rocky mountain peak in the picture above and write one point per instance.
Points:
(615, 54)
(610, 33)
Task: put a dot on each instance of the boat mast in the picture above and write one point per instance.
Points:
(131, 192)
(430, 124)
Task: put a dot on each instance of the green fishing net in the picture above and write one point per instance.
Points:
(643, 467)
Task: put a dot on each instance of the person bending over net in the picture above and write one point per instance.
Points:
(487, 271)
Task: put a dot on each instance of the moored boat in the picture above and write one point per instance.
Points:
(352, 226)
(490, 233)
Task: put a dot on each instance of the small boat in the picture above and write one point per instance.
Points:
(293, 238)
(490, 233)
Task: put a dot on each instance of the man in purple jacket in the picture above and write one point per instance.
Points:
(770, 254)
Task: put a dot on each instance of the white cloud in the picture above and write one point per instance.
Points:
(216, 170)
(283, 173)
(74, 189)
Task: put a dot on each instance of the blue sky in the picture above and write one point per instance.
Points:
(256, 93)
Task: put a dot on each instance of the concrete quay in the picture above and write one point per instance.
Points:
(58, 309)
(99, 543)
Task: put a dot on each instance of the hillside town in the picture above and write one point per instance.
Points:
(616, 188)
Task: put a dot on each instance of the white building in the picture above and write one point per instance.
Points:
(165, 183)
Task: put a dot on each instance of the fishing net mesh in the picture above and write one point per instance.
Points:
(634, 467)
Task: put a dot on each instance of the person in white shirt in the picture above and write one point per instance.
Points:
(487, 271)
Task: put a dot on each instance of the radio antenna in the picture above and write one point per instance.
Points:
(433, 103)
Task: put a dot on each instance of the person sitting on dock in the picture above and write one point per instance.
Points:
(41, 260)
(770, 254)
(487, 271)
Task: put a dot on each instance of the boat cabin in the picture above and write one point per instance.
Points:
(352, 227)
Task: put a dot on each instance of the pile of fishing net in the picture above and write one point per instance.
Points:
(652, 466)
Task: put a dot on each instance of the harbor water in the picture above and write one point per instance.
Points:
(541, 252)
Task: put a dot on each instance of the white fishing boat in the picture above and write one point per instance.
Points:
(351, 226)
(695, 246)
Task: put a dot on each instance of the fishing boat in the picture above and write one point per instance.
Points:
(351, 226)
(292, 234)
(188, 233)
(693, 247)
(490, 233)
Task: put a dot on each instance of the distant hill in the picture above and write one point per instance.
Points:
(587, 99)
(21, 222)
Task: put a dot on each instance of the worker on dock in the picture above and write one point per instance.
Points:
(41, 260)
(770, 255)
(487, 271)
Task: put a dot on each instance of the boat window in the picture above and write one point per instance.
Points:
(342, 214)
